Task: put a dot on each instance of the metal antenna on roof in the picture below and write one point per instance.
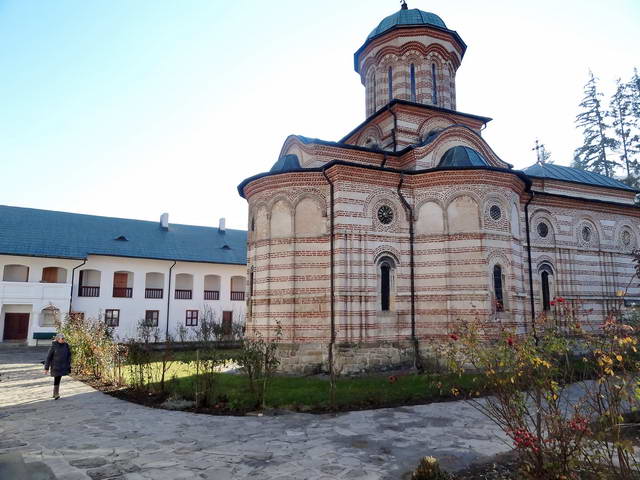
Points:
(539, 148)
(403, 4)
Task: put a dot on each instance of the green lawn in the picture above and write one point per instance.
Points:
(231, 391)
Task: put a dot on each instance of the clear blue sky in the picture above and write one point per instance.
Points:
(133, 108)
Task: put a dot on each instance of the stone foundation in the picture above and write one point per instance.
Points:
(349, 358)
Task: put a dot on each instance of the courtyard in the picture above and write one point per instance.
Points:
(90, 435)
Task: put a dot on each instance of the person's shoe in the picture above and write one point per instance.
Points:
(56, 392)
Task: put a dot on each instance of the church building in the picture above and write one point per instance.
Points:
(365, 249)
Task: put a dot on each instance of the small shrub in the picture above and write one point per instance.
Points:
(429, 469)
(259, 361)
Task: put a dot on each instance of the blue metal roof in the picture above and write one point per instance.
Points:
(461, 156)
(569, 174)
(407, 17)
(287, 163)
(45, 233)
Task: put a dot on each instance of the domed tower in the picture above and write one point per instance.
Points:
(393, 234)
(411, 55)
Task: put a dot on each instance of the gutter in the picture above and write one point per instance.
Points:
(331, 268)
(73, 273)
(530, 263)
(416, 348)
(166, 335)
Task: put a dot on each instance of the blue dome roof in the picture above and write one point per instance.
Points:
(407, 17)
(461, 156)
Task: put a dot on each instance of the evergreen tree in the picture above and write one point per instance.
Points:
(622, 121)
(634, 93)
(592, 155)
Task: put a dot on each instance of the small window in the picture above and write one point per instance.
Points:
(434, 86)
(385, 214)
(495, 212)
(546, 274)
(586, 234)
(543, 230)
(112, 318)
(192, 318)
(375, 99)
(390, 83)
(151, 318)
(498, 288)
(626, 238)
(412, 74)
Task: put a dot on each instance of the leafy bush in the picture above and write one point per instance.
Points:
(259, 361)
(551, 427)
(94, 350)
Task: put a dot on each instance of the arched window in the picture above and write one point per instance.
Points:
(546, 282)
(390, 83)
(434, 86)
(412, 74)
(498, 288)
(375, 97)
(385, 272)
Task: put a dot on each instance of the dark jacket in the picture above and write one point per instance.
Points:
(58, 359)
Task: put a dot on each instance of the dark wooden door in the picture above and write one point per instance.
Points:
(50, 275)
(120, 280)
(16, 326)
(227, 319)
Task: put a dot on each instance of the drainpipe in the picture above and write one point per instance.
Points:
(416, 348)
(73, 274)
(533, 303)
(166, 334)
(331, 267)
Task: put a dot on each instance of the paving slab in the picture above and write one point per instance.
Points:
(87, 434)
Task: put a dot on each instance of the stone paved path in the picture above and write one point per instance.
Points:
(89, 435)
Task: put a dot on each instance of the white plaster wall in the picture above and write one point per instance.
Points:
(32, 296)
(132, 310)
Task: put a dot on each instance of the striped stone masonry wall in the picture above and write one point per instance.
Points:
(457, 242)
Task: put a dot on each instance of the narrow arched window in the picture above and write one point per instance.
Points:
(390, 83)
(385, 283)
(385, 286)
(375, 95)
(546, 300)
(546, 275)
(412, 73)
(498, 288)
(434, 85)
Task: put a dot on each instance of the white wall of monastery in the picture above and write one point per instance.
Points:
(33, 296)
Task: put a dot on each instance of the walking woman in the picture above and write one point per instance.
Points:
(59, 361)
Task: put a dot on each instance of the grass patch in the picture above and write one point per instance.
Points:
(311, 394)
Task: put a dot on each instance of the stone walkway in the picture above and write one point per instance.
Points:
(89, 435)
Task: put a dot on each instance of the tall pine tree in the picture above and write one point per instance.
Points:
(634, 95)
(622, 120)
(592, 155)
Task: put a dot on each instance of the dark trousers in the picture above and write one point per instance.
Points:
(56, 380)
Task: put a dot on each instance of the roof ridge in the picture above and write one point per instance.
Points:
(115, 218)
